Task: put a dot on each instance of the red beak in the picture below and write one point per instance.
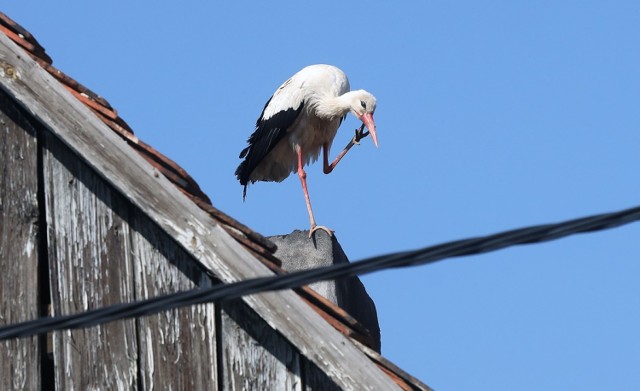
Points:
(367, 119)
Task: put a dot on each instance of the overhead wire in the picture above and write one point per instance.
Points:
(221, 292)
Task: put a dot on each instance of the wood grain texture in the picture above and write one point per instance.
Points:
(315, 379)
(19, 358)
(190, 226)
(90, 267)
(254, 356)
(178, 347)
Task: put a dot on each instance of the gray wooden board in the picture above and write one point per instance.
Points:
(315, 379)
(254, 356)
(19, 358)
(191, 227)
(91, 267)
(178, 347)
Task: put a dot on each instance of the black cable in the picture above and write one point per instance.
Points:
(222, 292)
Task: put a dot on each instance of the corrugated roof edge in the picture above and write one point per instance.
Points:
(261, 247)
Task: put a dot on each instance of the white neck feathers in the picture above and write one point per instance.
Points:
(331, 107)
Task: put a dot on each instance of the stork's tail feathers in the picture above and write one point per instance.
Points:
(242, 175)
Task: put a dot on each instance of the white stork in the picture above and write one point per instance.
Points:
(301, 117)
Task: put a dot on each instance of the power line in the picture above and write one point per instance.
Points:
(221, 292)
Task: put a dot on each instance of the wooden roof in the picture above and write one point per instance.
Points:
(226, 248)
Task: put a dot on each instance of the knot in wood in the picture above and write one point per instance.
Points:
(8, 70)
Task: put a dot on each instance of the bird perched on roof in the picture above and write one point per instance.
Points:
(302, 117)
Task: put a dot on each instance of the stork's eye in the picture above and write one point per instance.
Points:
(364, 105)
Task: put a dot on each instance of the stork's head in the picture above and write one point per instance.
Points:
(362, 105)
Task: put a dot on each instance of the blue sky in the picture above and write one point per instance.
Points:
(491, 116)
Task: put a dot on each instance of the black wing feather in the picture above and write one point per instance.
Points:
(267, 135)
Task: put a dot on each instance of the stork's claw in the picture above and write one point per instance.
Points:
(314, 228)
(360, 134)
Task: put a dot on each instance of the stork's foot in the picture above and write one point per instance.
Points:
(314, 228)
(360, 134)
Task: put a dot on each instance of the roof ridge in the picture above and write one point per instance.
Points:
(22, 37)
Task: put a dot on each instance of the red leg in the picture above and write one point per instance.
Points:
(326, 167)
(303, 180)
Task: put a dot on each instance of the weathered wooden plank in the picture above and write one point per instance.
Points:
(177, 348)
(315, 379)
(190, 226)
(409, 382)
(254, 356)
(19, 359)
(90, 266)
